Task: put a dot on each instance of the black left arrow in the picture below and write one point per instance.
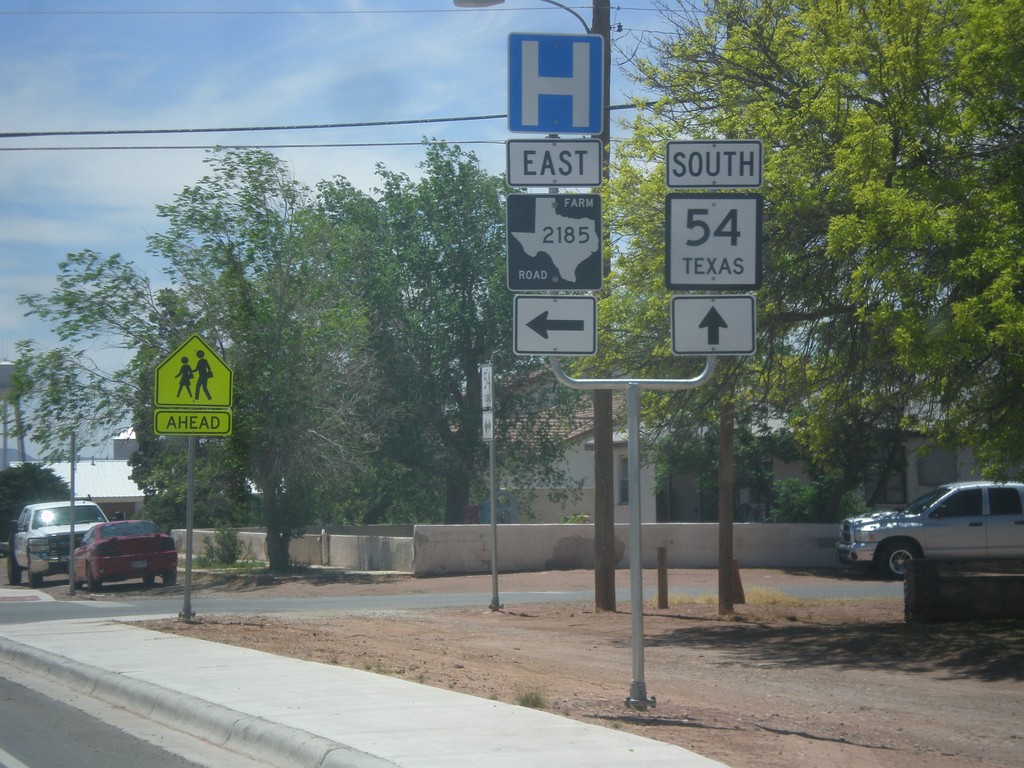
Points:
(714, 323)
(541, 325)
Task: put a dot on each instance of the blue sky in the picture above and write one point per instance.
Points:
(102, 65)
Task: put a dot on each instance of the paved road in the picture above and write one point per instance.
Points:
(47, 729)
(21, 604)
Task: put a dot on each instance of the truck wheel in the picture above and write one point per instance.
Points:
(94, 583)
(893, 557)
(13, 569)
(35, 580)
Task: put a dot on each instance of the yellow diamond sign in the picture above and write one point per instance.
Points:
(193, 377)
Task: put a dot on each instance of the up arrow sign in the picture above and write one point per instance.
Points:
(714, 323)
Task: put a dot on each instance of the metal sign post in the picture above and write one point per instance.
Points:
(193, 391)
(187, 614)
(638, 698)
(71, 533)
(487, 401)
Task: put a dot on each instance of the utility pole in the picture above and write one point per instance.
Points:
(604, 467)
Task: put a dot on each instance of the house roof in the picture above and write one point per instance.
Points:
(99, 479)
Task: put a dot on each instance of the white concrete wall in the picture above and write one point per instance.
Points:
(357, 553)
(371, 553)
(451, 549)
(437, 550)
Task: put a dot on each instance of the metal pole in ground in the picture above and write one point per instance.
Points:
(71, 515)
(187, 614)
(495, 601)
(638, 688)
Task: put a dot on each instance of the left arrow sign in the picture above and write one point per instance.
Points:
(555, 325)
(541, 324)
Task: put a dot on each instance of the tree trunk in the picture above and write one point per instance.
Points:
(278, 536)
(726, 419)
(277, 550)
(456, 496)
(604, 509)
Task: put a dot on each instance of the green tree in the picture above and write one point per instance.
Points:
(264, 278)
(97, 297)
(878, 230)
(355, 327)
(435, 291)
(271, 278)
(28, 484)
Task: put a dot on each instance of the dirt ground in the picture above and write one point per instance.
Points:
(783, 682)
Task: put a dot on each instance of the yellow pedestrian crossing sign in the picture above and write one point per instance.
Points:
(193, 375)
(193, 391)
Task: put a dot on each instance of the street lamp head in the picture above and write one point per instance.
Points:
(489, 3)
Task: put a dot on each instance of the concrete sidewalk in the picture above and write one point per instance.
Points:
(299, 713)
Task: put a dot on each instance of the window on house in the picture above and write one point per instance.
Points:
(623, 480)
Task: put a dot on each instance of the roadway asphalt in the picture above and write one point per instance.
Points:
(297, 713)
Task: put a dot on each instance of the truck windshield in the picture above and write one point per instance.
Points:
(921, 503)
(84, 513)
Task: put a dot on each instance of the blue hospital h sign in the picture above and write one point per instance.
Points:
(555, 83)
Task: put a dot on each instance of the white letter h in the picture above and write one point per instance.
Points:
(536, 85)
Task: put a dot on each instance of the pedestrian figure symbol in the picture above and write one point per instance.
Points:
(203, 374)
(184, 376)
(193, 376)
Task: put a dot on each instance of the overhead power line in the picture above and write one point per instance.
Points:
(252, 129)
(244, 129)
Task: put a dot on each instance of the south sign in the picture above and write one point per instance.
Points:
(713, 165)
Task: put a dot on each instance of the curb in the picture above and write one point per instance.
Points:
(252, 736)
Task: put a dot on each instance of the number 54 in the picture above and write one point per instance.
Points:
(700, 220)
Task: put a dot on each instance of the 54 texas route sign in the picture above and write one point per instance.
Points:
(713, 241)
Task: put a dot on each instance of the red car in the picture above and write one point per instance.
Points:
(126, 549)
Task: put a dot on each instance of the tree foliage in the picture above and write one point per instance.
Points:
(264, 280)
(433, 287)
(355, 327)
(891, 296)
(28, 483)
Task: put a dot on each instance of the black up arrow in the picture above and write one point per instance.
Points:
(714, 323)
(541, 325)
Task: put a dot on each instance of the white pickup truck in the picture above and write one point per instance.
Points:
(960, 521)
(39, 539)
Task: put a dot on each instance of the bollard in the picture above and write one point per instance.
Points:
(662, 577)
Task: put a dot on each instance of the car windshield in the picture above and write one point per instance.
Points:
(84, 513)
(128, 528)
(921, 503)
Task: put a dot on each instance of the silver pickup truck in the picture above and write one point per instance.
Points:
(960, 521)
(39, 539)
